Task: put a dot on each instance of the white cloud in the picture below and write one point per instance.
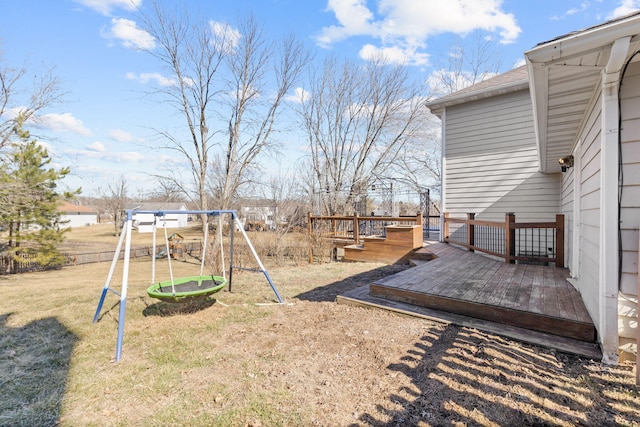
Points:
(519, 63)
(625, 8)
(395, 54)
(121, 136)
(145, 78)
(62, 123)
(129, 35)
(403, 26)
(299, 96)
(105, 6)
(96, 146)
(108, 155)
(226, 37)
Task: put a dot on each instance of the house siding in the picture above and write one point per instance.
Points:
(492, 165)
(587, 196)
(629, 206)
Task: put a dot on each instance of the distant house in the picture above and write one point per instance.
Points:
(143, 222)
(561, 135)
(76, 216)
(258, 214)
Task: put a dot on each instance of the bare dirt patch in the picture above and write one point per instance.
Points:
(308, 362)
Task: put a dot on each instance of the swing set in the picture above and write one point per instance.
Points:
(180, 289)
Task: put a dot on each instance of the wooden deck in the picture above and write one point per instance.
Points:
(531, 299)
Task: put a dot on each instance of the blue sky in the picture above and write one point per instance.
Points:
(103, 129)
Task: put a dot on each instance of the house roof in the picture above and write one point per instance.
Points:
(565, 75)
(66, 207)
(156, 206)
(511, 81)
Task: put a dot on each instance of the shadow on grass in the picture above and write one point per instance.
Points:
(461, 377)
(166, 309)
(330, 291)
(34, 365)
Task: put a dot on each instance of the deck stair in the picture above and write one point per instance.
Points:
(402, 242)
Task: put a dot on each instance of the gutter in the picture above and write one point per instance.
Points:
(575, 43)
(439, 105)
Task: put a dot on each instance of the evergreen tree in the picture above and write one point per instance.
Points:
(28, 204)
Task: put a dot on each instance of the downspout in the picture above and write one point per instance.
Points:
(608, 276)
(443, 168)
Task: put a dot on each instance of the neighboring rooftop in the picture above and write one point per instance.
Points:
(66, 207)
(512, 80)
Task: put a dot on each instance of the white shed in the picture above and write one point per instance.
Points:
(72, 216)
(143, 222)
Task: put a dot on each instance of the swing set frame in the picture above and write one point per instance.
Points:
(125, 237)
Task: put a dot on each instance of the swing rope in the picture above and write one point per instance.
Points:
(166, 240)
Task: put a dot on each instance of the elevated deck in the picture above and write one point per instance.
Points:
(535, 301)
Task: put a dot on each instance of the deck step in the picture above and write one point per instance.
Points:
(573, 329)
(360, 297)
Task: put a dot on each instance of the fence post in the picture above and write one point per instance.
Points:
(560, 240)
(471, 232)
(445, 228)
(510, 238)
(419, 220)
(310, 220)
(356, 229)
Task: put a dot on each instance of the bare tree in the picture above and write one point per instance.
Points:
(191, 53)
(465, 65)
(114, 200)
(357, 118)
(261, 74)
(228, 84)
(23, 94)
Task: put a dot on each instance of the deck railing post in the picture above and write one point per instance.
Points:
(445, 227)
(471, 232)
(419, 220)
(310, 238)
(560, 240)
(356, 228)
(510, 238)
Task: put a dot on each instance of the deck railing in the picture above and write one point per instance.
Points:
(538, 242)
(353, 227)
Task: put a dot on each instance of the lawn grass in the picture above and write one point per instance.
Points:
(240, 359)
(56, 366)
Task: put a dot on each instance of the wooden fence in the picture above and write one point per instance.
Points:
(537, 242)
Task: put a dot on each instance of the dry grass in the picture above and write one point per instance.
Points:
(230, 362)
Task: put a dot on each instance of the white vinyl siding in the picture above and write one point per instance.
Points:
(492, 162)
(589, 226)
(567, 209)
(630, 204)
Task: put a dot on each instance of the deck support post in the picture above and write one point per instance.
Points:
(445, 227)
(310, 223)
(471, 232)
(560, 240)
(510, 238)
(356, 228)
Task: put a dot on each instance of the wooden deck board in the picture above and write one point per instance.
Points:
(533, 296)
